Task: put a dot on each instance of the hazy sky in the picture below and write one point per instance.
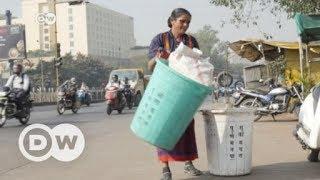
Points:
(150, 18)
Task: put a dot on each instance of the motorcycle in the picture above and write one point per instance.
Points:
(225, 91)
(84, 97)
(113, 101)
(128, 94)
(65, 101)
(8, 107)
(307, 131)
(273, 102)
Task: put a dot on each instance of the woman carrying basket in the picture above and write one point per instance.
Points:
(161, 47)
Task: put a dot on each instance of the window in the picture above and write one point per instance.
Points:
(46, 46)
(71, 44)
(70, 27)
(46, 38)
(46, 31)
(70, 19)
(70, 35)
(70, 11)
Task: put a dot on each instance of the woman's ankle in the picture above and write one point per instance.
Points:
(188, 163)
(166, 167)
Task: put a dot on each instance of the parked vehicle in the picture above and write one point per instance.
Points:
(226, 91)
(307, 131)
(272, 102)
(8, 107)
(115, 100)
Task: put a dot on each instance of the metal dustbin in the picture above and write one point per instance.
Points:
(229, 140)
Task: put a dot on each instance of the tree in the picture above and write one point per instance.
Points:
(140, 61)
(86, 69)
(248, 11)
(207, 39)
(217, 50)
(40, 53)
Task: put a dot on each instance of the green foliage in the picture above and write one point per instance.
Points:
(140, 61)
(207, 39)
(248, 11)
(308, 82)
(84, 69)
(217, 50)
(40, 53)
(277, 67)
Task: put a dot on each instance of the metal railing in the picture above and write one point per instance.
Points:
(49, 95)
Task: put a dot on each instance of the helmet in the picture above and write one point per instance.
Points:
(17, 68)
(73, 80)
(115, 77)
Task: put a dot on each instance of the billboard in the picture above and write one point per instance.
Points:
(12, 42)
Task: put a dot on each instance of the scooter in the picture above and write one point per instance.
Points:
(113, 101)
(307, 131)
(275, 101)
(84, 97)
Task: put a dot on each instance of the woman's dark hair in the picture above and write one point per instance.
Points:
(176, 13)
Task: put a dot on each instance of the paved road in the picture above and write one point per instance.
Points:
(112, 152)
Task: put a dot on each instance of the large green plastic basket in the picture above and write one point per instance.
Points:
(167, 107)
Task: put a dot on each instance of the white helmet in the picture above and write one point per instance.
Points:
(73, 80)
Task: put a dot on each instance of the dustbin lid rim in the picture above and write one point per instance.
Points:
(231, 110)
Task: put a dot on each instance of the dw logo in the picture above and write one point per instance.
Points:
(64, 142)
(46, 18)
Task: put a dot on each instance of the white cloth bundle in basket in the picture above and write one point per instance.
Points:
(189, 63)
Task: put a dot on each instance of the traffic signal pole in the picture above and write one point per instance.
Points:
(56, 40)
(57, 62)
(52, 4)
(57, 76)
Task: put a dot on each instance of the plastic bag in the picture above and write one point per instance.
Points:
(189, 63)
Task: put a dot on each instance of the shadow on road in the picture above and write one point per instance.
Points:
(292, 171)
(123, 113)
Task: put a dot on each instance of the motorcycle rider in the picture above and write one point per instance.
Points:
(115, 82)
(126, 82)
(71, 86)
(19, 83)
(84, 87)
(127, 91)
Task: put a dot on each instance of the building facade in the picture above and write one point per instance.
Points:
(81, 27)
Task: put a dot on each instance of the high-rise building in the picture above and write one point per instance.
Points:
(82, 27)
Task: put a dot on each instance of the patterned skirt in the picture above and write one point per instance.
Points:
(185, 149)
